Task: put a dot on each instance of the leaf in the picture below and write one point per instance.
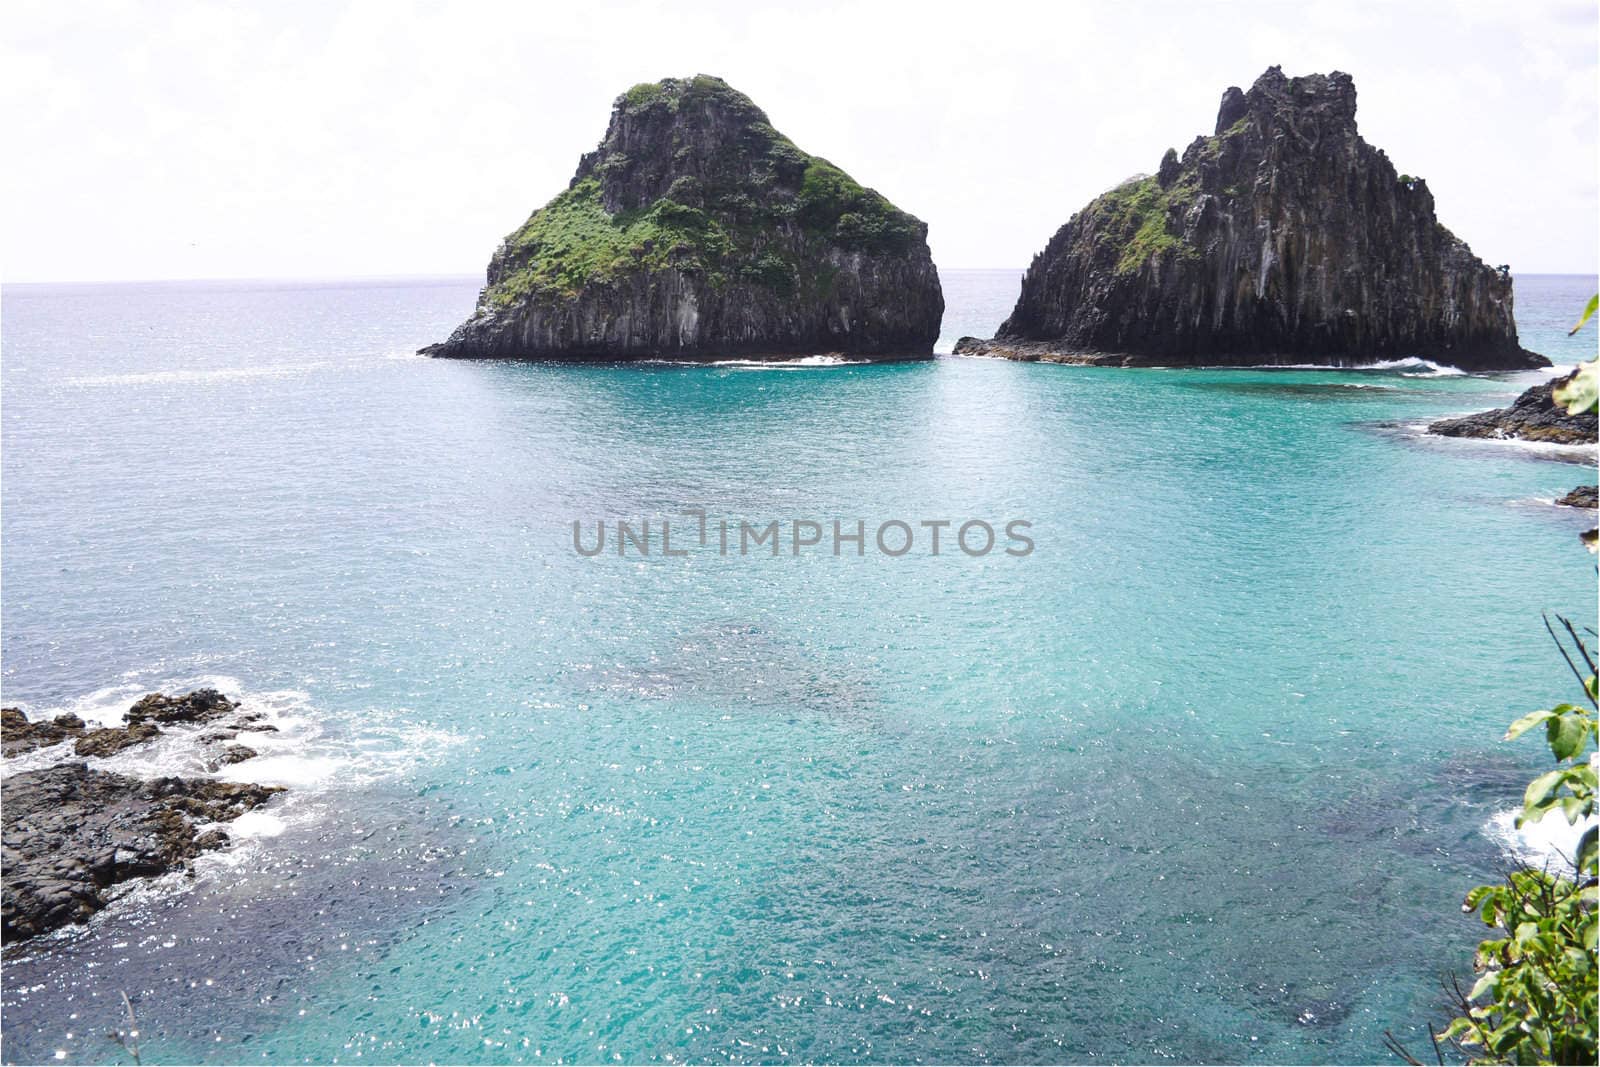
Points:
(1526, 723)
(1588, 850)
(1540, 788)
(1582, 393)
(1588, 313)
(1566, 735)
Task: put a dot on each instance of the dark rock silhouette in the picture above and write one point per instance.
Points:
(696, 230)
(1282, 238)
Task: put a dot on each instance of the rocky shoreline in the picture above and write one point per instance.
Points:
(71, 833)
(1046, 352)
(1533, 416)
(1584, 496)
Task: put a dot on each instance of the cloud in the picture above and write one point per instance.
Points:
(222, 139)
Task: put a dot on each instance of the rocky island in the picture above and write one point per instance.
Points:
(696, 230)
(1282, 238)
(72, 832)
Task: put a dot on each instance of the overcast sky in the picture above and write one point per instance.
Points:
(285, 139)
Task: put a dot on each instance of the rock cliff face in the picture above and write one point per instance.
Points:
(696, 230)
(1282, 238)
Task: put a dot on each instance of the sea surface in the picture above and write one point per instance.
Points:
(1202, 778)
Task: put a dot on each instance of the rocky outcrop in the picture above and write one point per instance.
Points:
(199, 705)
(18, 735)
(1585, 496)
(71, 833)
(1533, 416)
(696, 230)
(110, 740)
(1282, 238)
(231, 755)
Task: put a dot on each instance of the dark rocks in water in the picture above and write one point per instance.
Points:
(18, 735)
(70, 833)
(1533, 416)
(113, 739)
(1585, 496)
(201, 705)
(1282, 238)
(231, 755)
(1026, 351)
(696, 230)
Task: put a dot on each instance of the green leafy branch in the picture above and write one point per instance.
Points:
(1534, 1000)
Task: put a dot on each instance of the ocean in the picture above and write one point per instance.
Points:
(1201, 777)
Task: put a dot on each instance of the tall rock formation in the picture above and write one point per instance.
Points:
(696, 230)
(1282, 238)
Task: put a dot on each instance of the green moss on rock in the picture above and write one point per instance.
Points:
(832, 204)
(573, 241)
(757, 210)
(1138, 214)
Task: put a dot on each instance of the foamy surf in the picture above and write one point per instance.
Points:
(1409, 367)
(1418, 431)
(1413, 367)
(296, 747)
(795, 363)
(314, 756)
(1550, 844)
(799, 363)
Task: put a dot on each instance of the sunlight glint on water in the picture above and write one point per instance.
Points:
(1203, 778)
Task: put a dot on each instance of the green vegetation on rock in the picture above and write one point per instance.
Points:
(1143, 212)
(573, 241)
(833, 205)
(1139, 210)
(756, 209)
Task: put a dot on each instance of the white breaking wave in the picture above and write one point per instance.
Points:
(304, 751)
(1410, 367)
(314, 756)
(1552, 842)
(788, 364)
(1542, 449)
(796, 363)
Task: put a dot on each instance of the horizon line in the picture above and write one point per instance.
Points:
(449, 277)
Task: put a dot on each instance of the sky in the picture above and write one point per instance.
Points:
(150, 140)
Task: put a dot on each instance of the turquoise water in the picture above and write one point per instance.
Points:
(1203, 778)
